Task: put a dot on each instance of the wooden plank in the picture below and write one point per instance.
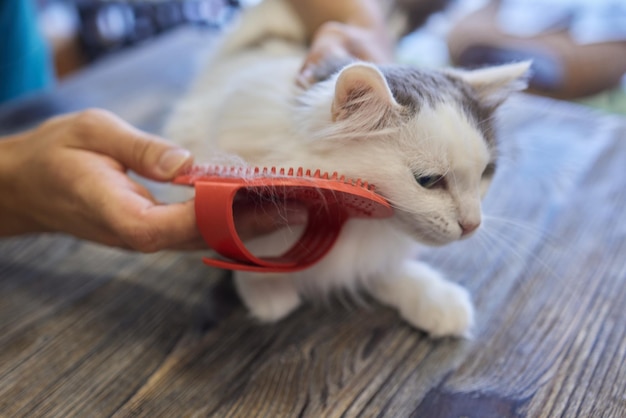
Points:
(88, 354)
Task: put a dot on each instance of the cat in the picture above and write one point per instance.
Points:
(424, 138)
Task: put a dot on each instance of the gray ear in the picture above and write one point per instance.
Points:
(360, 86)
(494, 84)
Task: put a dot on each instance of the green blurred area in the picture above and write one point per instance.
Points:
(613, 101)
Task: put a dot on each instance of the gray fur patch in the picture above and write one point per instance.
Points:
(413, 88)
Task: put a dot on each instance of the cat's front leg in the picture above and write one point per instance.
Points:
(269, 298)
(426, 300)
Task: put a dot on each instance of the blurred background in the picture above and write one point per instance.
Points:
(578, 47)
(83, 31)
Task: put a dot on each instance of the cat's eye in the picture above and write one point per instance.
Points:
(489, 171)
(429, 182)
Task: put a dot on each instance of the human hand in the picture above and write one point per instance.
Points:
(336, 44)
(70, 175)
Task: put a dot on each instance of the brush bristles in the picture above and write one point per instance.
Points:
(252, 172)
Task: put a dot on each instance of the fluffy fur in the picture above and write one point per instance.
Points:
(394, 126)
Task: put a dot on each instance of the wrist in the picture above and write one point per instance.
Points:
(13, 220)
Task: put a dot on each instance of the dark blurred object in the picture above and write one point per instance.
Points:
(418, 11)
(109, 25)
(562, 68)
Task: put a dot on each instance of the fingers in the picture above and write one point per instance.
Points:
(157, 227)
(321, 64)
(148, 155)
(335, 44)
(173, 226)
(327, 46)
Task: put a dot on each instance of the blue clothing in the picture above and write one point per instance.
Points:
(25, 64)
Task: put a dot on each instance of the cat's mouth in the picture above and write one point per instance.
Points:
(425, 232)
(433, 240)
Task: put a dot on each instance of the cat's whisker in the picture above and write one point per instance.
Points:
(360, 301)
(454, 179)
(486, 121)
(481, 240)
(513, 246)
(396, 205)
(544, 265)
(445, 173)
(493, 237)
(343, 298)
(494, 241)
(520, 255)
(522, 226)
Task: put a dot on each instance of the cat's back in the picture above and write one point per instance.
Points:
(242, 97)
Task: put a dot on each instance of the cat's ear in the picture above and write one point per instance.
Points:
(361, 87)
(494, 84)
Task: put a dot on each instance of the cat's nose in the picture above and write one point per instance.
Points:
(468, 227)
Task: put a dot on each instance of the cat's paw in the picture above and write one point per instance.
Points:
(427, 300)
(443, 309)
(273, 309)
(268, 299)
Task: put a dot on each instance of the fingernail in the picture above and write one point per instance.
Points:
(172, 160)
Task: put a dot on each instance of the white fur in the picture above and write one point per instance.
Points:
(246, 104)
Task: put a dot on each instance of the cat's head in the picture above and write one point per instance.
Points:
(424, 138)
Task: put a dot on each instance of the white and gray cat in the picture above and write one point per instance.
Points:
(424, 138)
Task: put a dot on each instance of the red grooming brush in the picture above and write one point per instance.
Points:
(330, 201)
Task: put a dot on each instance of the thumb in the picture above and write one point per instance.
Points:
(170, 161)
(153, 157)
(147, 155)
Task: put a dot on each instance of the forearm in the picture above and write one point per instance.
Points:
(361, 13)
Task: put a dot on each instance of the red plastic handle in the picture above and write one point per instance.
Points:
(213, 205)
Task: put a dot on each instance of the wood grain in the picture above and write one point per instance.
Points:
(94, 332)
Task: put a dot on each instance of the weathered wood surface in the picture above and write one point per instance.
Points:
(90, 331)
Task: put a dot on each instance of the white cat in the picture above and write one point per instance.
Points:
(424, 138)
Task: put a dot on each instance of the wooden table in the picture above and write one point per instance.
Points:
(91, 331)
